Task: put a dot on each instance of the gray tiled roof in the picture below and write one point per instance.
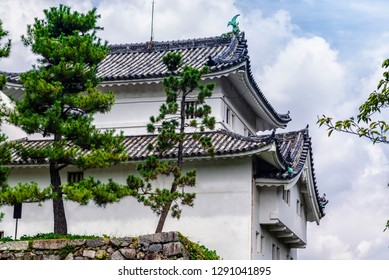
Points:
(292, 150)
(136, 61)
(292, 147)
(225, 143)
(13, 77)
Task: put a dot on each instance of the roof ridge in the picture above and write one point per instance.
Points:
(218, 131)
(233, 45)
(170, 44)
(240, 136)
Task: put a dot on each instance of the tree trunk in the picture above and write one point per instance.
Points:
(180, 163)
(163, 217)
(60, 224)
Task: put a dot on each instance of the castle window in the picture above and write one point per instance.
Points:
(260, 240)
(301, 210)
(190, 109)
(286, 196)
(74, 177)
(276, 255)
(230, 117)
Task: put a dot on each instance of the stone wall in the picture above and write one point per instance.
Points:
(166, 245)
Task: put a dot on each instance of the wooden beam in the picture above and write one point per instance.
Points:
(277, 228)
(292, 240)
(285, 235)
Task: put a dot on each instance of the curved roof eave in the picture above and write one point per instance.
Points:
(311, 195)
(242, 78)
(280, 119)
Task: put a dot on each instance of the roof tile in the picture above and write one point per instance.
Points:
(224, 142)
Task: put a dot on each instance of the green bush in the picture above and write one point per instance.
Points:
(6, 239)
(57, 236)
(197, 251)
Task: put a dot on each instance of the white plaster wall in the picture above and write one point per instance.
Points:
(220, 219)
(135, 104)
(297, 222)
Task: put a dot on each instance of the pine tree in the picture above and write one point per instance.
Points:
(4, 151)
(59, 102)
(184, 107)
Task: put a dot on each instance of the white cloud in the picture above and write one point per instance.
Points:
(267, 36)
(329, 246)
(357, 215)
(130, 21)
(307, 69)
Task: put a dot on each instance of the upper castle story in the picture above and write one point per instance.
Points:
(135, 73)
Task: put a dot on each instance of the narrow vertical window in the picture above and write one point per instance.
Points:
(74, 177)
(301, 210)
(230, 117)
(259, 240)
(276, 252)
(190, 109)
(286, 196)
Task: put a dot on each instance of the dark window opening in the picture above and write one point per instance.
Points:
(74, 177)
(190, 109)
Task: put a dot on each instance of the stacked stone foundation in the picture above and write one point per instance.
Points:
(160, 246)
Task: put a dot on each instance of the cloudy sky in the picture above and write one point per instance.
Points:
(310, 57)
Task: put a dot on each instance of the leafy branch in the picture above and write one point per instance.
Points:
(364, 125)
(24, 193)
